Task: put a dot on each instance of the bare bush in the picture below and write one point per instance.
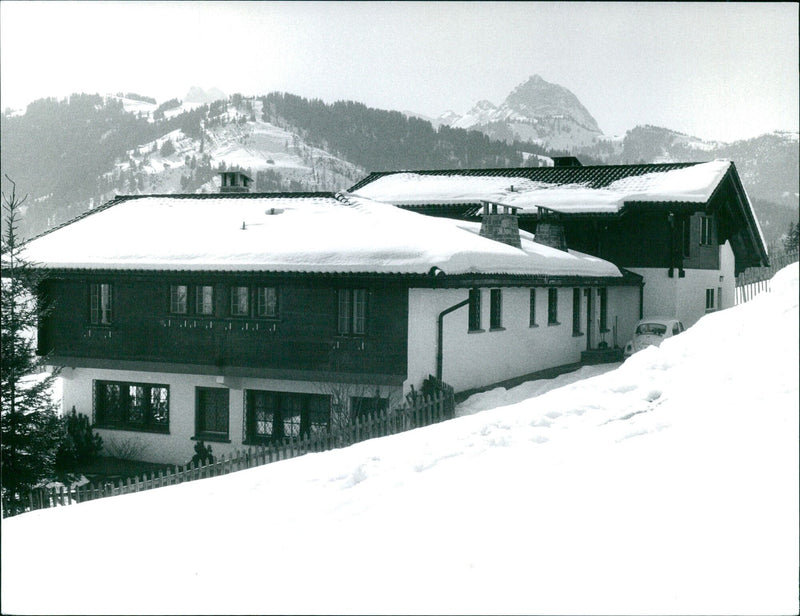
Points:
(125, 448)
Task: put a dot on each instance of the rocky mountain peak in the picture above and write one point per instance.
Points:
(537, 97)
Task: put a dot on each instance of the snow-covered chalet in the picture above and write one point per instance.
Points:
(687, 228)
(230, 317)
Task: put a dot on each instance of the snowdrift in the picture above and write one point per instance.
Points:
(669, 485)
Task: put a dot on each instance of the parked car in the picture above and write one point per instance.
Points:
(652, 331)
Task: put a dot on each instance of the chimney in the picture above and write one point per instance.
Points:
(234, 182)
(501, 226)
(550, 231)
(566, 161)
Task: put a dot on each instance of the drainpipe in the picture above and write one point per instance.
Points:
(439, 341)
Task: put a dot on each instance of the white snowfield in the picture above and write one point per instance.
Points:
(693, 184)
(310, 234)
(667, 486)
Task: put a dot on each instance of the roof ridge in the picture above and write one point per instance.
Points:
(530, 172)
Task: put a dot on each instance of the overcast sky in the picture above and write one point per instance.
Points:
(714, 70)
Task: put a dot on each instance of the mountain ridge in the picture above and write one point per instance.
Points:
(131, 144)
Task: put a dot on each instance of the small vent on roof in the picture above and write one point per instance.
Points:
(273, 211)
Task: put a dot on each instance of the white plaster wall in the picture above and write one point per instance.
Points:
(660, 291)
(727, 263)
(177, 447)
(686, 297)
(623, 314)
(478, 359)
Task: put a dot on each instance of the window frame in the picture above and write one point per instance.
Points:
(552, 306)
(202, 431)
(236, 297)
(475, 308)
(199, 300)
(577, 311)
(602, 293)
(149, 423)
(686, 239)
(351, 312)
(100, 293)
(174, 299)
(262, 307)
(706, 231)
(710, 299)
(293, 415)
(496, 310)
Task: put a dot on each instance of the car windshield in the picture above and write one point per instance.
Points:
(655, 329)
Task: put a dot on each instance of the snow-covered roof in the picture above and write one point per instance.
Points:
(688, 184)
(319, 233)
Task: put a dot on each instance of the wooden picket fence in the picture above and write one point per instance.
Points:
(755, 280)
(420, 410)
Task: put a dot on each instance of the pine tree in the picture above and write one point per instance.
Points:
(31, 428)
(791, 243)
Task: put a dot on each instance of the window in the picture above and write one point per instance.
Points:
(100, 304)
(273, 415)
(211, 413)
(576, 312)
(352, 317)
(532, 321)
(267, 302)
(552, 306)
(705, 231)
(204, 300)
(178, 296)
(709, 300)
(475, 310)
(131, 406)
(496, 309)
(602, 292)
(240, 306)
(686, 225)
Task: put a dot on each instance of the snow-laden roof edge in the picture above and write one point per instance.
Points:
(313, 233)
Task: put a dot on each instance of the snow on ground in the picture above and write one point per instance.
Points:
(666, 486)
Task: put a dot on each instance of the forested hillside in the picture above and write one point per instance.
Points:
(381, 140)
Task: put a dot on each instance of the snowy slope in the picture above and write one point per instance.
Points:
(237, 141)
(667, 486)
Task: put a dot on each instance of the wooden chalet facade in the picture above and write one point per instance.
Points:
(687, 243)
(244, 318)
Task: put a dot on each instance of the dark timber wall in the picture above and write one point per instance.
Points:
(643, 239)
(304, 336)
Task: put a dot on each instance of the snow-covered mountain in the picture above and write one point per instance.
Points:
(538, 111)
(239, 139)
